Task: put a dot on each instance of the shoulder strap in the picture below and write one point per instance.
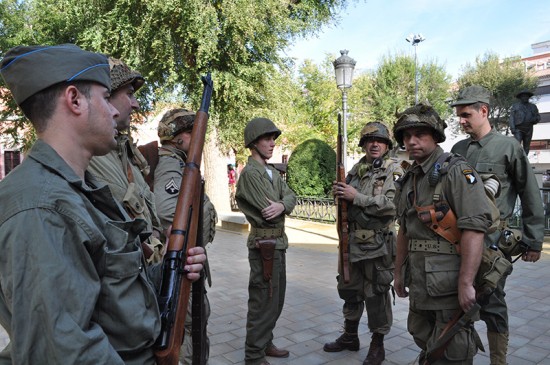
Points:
(151, 155)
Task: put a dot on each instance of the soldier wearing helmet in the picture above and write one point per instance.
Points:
(523, 115)
(264, 198)
(174, 131)
(370, 190)
(123, 169)
(491, 152)
(440, 280)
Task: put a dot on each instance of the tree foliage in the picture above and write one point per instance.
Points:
(504, 79)
(312, 169)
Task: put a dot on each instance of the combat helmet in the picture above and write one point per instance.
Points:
(122, 75)
(258, 127)
(376, 130)
(173, 122)
(418, 116)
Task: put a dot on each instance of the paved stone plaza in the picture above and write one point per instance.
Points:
(312, 313)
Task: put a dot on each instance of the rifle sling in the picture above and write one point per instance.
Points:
(448, 333)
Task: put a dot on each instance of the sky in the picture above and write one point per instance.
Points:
(455, 32)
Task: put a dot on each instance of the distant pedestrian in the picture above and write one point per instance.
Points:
(523, 115)
(265, 199)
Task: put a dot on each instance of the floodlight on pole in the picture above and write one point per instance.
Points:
(343, 70)
(414, 40)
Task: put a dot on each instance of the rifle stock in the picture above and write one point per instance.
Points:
(175, 287)
(342, 210)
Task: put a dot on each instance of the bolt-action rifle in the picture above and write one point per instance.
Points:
(175, 288)
(342, 210)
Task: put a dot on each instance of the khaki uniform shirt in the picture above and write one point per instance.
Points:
(119, 170)
(504, 157)
(372, 212)
(74, 287)
(434, 276)
(254, 187)
(168, 176)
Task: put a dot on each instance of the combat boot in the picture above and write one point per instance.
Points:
(348, 341)
(498, 347)
(376, 354)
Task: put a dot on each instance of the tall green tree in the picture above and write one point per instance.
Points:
(503, 78)
(393, 87)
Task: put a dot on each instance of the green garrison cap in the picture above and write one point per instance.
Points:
(471, 95)
(30, 69)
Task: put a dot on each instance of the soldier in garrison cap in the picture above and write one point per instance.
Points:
(123, 168)
(523, 115)
(490, 152)
(369, 189)
(439, 270)
(174, 131)
(264, 198)
(74, 289)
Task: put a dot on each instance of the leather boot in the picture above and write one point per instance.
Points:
(348, 341)
(498, 347)
(376, 354)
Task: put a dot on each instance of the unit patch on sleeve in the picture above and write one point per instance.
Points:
(171, 187)
(469, 175)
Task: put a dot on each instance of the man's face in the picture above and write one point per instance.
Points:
(125, 101)
(375, 148)
(419, 143)
(182, 141)
(472, 121)
(265, 145)
(101, 127)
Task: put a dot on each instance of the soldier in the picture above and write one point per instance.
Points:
(491, 152)
(123, 167)
(74, 288)
(174, 131)
(264, 198)
(523, 115)
(370, 189)
(438, 273)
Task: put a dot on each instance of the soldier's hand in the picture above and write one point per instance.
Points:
(344, 191)
(399, 287)
(273, 210)
(466, 296)
(195, 259)
(531, 256)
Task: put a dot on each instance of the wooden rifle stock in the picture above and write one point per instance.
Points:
(342, 210)
(175, 289)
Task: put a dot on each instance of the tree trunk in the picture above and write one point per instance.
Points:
(215, 173)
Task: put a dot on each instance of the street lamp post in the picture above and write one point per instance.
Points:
(343, 69)
(414, 40)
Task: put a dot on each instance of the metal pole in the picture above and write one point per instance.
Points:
(415, 77)
(345, 131)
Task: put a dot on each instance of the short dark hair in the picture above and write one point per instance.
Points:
(40, 107)
(479, 104)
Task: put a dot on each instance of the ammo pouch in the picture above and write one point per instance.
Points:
(267, 252)
(369, 240)
(134, 202)
(494, 267)
(510, 243)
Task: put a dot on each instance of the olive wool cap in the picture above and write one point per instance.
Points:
(471, 95)
(122, 75)
(30, 69)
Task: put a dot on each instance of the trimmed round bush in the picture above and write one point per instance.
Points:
(312, 169)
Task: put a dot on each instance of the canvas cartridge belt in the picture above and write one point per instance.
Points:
(267, 232)
(437, 246)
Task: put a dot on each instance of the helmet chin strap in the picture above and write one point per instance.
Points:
(259, 153)
(179, 142)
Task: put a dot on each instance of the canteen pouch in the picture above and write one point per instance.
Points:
(493, 268)
(510, 243)
(267, 252)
